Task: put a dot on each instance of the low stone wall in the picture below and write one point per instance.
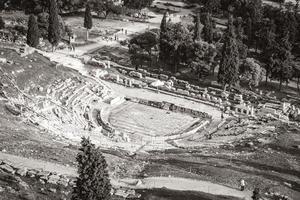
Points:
(172, 107)
(42, 176)
(105, 125)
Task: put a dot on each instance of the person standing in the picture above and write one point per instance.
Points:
(243, 184)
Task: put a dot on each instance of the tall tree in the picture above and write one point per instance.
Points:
(203, 58)
(33, 35)
(283, 69)
(53, 28)
(35, 6)
(88, 20)
(229, 65)
(176, 49)
(92, 182)
(141, 47)
(212, 6)
(252, 72)
(290, 25)
(249, 31)
(240, 36)
(208, 28)
(198, 28)
(162, 39)
(268, 43)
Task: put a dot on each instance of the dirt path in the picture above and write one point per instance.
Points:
(31, 163)
(173, 183)
(183, 184)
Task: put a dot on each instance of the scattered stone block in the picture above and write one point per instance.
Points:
(27, 196)
(53, 179)
(63, 181)
(7, 168)
(21, 171)
(32, 173)
(53, 190)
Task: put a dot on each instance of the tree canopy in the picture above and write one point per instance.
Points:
(137, 4)
(92, 182)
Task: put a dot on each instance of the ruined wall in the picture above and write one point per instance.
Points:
(172, 107)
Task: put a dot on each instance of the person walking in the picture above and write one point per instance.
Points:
(243, 184)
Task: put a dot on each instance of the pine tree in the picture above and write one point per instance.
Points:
(2, 23)
(162, 39)
(93, 181)
(88, 20)
(229, 65)
(33, 35)
(198, 28)
(53, 28)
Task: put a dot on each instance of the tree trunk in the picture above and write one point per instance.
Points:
(266, 79)
(87, 34)
(298, 81)
(280, 85)
(150, 54)
(106, 14)
(213, 67)
(175, 68)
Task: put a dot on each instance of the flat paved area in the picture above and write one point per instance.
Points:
(132, 117)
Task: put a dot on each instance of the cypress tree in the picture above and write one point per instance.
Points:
(53, 28)
(198, 28)
(282, 70)
(88, 20)
(163, 25)
(2, 23)
(208, 28)
(229, 65)
(33, 35)
(93, 181)
(249, 31)
(243, 49)
(162, 39)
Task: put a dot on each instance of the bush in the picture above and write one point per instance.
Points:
(22, 30)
